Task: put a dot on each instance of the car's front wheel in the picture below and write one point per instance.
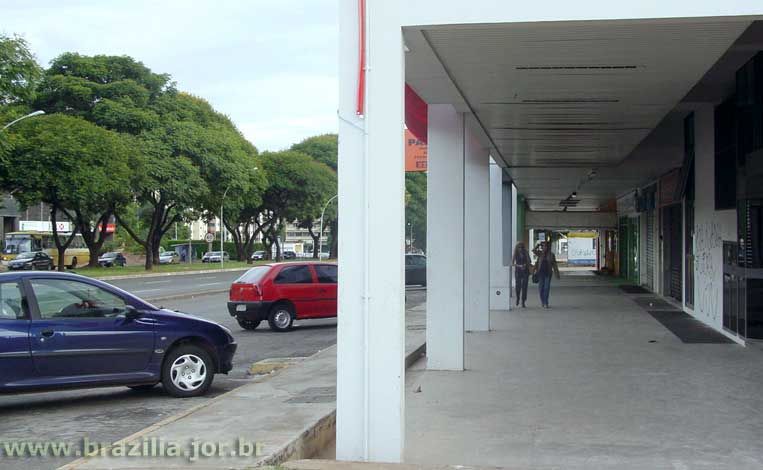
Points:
(188, 371)
(248, 324)
(281, 317)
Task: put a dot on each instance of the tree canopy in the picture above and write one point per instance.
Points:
(19, 70)
(120, 140)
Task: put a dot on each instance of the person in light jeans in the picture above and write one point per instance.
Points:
(545, 267)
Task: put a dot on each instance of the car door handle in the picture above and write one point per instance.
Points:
(47, 333)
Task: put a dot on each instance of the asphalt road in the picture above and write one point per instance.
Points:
(162, 286)
(109, 414)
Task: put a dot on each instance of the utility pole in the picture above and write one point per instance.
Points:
(222, 230)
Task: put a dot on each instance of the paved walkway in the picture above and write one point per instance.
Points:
(592, 383)
(291, 414)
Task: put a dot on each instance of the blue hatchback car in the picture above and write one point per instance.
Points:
(61, 330)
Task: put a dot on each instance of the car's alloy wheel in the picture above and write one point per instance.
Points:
(188, 371)
(281, 318)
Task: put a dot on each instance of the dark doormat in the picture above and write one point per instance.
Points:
(688, 329)
(629, 289)
(654, 303)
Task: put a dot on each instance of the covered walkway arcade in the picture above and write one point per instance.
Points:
(593, 382)
(642, 120)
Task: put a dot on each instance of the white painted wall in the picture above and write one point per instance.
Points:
(711, 227)
(445, 239)
(500, 290)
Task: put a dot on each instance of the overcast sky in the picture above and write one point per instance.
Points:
(268, 64)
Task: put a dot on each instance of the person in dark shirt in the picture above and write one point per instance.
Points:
(521, 263)
(545, 267)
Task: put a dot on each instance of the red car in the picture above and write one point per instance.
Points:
(283, 292)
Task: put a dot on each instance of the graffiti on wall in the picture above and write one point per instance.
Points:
(708, 269)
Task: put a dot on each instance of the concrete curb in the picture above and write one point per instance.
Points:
(309, 442)
(176, 273)
(316, 436)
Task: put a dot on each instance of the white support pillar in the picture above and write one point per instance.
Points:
(371, 320)
(445, 239)
(476, 250)
(500, 282)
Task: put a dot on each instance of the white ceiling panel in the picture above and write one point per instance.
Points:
(560, 99)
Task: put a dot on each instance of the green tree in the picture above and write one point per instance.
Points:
(184, 155)
(416, 208)
(242, 213)
(120, 94)
(72, 165)
(19, 71)
(297, 188)
(325, 149)
(323, 187)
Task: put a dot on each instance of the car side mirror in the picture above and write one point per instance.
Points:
(132, 313)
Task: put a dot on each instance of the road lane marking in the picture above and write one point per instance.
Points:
(208, 284)
(157, 282)
(145, 290)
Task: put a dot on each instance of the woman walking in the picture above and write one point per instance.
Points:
(545, 267)
(521, 263)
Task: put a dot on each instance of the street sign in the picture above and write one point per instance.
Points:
(42, 226)
(209, 237)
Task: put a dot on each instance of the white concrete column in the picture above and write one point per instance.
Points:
(371, 317)
(511, 232)
(476, 250)
(445, 239)
(500, 282)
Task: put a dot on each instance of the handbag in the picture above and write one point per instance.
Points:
(535, 278)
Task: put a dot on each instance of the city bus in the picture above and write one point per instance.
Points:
(21, 242)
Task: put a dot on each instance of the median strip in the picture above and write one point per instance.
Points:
(187, 295)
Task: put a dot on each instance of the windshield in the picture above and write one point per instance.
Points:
(253, 275)
(167, 253)
(15, 244)
(109, 255)
(27, 255)
(213, 253)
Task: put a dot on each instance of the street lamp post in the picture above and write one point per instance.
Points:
(222, 230)
(36, 113)
(320, 233)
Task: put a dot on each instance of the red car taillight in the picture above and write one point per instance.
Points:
(245, 292)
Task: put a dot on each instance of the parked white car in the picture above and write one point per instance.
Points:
(215, 257)
(169, 257)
